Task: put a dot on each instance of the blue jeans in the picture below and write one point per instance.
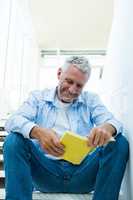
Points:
(26, 166)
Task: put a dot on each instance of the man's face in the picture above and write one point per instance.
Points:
(71, 83)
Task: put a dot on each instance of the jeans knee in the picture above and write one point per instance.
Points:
(13, 142)
(122, 145)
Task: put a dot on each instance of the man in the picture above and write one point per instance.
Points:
(32, 150)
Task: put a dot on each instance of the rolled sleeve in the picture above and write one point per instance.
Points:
(23, 120)
(27, 129)
(100, 115)
(118, 125)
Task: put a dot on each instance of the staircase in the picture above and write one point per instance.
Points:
(2, 175)
(36, 195)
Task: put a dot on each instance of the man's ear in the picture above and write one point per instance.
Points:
(59, 72)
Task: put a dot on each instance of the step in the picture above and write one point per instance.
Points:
(1, 144)
(3, 133)
(2, 123)
(55, 196)
(1, 150)
(1, 162)
(2, 174)
(2, 128)
(1, 158)
(1, 147)
(2, 184)
(2, 138)
(1, 165)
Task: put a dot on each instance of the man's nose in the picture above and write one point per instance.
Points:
(73, 89)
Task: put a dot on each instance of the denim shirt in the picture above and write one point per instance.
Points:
(40, 110)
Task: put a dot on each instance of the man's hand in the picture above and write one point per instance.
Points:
(101, 135)
(49, 141)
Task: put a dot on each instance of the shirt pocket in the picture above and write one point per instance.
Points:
(46, 115)
(84, 124)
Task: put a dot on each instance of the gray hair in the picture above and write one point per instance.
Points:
(79, 62)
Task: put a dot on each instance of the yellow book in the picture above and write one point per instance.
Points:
(76, 147)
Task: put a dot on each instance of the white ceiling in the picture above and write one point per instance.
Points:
(72, 24)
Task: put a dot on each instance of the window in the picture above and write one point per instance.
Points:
(51, 61)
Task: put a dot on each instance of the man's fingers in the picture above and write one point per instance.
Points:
(91, 140)
(51, 149)
(92, 137)
(57, 149)
(101, 141)
(56, 143)
(98, 137)
(54, 152)
(50, 143)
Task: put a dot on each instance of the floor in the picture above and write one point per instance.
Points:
(54, 196)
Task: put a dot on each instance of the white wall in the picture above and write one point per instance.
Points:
(19, 54)
(118, 76)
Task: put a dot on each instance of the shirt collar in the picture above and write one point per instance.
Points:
(50, 97)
